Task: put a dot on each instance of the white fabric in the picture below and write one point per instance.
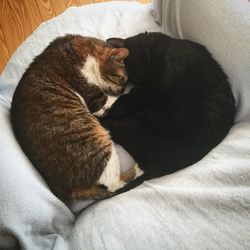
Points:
(29, 212)
(205, 206)
(224, 28)
(30, 215)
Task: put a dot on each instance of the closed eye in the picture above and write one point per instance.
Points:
(120, 64)
(120, 77)
(116, 79)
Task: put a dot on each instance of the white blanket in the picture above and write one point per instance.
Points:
(224, 28)
(30, 215)
(205, 206)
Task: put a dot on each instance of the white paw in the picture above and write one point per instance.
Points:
(103, 111)
(100, 113)
(138, 171)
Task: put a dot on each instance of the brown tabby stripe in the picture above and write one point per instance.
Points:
(104, 150)
(56, 130)
(129, 175)
(91, 193)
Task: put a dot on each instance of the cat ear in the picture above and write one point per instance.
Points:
(119, 54)
(116, 42)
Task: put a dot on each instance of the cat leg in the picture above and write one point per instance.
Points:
(111, 175)
(97, 192)
(112, 178)
(109, 102)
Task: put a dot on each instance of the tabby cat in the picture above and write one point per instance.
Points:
(52, 116)
(180, 108)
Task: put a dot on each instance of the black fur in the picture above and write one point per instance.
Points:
(181, 107)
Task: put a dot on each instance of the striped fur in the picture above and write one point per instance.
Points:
(52, 116)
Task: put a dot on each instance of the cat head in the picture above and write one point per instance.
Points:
(112, 70)
(103, 65)
(138, 62)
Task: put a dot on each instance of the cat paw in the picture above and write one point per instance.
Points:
(101, 113)
(138, 171)
(104, 110)
(132, 174)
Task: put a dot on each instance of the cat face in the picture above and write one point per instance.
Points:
(137, 63)
(112, 70)
(103, 64)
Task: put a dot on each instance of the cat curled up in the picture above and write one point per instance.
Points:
(53, 110)
(180, 108)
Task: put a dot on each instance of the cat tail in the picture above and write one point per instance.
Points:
(96, 192)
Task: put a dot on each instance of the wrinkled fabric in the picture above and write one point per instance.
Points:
(205, 206)
(31, 217)
(224, 28)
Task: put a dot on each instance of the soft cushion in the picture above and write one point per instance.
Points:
(224, 28)
(31, 216)
(205, 206)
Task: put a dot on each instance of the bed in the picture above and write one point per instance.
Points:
(205, 206)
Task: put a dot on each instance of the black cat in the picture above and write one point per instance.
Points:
(181, 107)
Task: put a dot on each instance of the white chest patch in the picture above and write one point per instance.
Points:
(91, 71)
